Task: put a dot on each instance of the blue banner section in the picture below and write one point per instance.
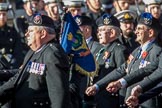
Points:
(73, 42)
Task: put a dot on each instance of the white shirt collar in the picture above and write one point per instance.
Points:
(88, 39)
(40, 49)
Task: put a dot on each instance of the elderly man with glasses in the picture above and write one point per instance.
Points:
(147, 30)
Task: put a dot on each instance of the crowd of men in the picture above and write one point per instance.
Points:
(35, 71)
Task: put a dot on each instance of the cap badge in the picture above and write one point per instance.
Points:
(78, 21)
(146, 18)
(37, 19)
(106, 20)
(147, 21)
(127, 16)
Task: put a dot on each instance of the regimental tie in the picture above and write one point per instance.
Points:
(139, 53)
(99, 53)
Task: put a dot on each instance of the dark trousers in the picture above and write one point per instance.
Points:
(76, 101)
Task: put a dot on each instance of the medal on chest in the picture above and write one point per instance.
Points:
(106, 59)
(36, 68)
(143, 62)
(130, 58)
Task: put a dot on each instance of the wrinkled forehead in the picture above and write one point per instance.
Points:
(141, 26)
(105, 27)
(3, 12)
(31, 27)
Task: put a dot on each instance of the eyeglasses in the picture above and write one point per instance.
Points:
(141, 28)
(146, 18)
(104, 29)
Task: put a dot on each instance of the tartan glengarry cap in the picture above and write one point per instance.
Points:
(4, 6)
(83, 20)
(41, 20)
(107, 19)
(126, 16)
(148, 20)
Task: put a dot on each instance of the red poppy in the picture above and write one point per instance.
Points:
(106, 55)
(144, 54)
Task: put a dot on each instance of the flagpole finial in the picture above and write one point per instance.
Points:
(65, 9)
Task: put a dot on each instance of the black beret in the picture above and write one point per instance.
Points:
(41, 20)
(83, 20)
(106, 1)
(107, 4)
(148, 20)
(107, 19)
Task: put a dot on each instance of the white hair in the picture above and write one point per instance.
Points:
(48, 29)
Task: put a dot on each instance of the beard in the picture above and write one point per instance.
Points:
(2, 23)
(128, 34)
(30, 40)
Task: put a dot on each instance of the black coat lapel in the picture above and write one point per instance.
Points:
(27, 58)
(25, 74)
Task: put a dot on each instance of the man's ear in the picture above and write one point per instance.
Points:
(46, 8)
(112, 31)
(146, 9)
(151, 32)
(43, 33)
(24, 6)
